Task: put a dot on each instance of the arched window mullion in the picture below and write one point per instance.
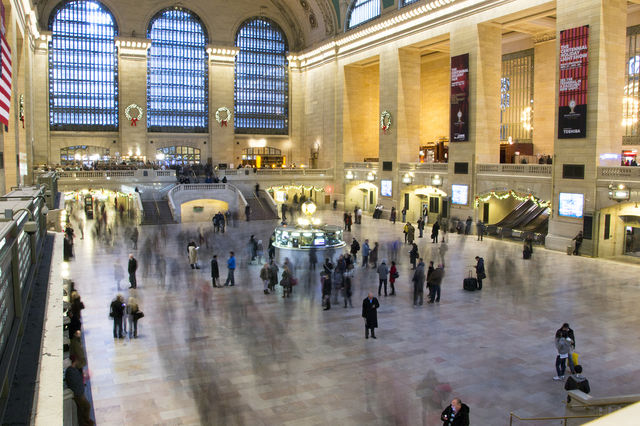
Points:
(261, 83)
(83, 87)
(177, 80)
(362, 11)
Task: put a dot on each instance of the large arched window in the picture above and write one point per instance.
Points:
(177, 79)
(262, 79)
(361, 11)
(83, 67)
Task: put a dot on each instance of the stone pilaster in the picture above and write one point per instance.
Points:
(604, 109)
(132, 74)
(221, 95)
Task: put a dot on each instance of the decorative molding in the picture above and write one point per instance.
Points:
(541, 38)
(222, 55)
(327, 17)
(292, 23)
(132, 47)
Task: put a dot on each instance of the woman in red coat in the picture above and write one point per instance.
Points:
(393, 274)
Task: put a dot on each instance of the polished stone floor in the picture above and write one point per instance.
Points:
(235, 356)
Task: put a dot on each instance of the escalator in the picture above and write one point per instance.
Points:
(526, 220)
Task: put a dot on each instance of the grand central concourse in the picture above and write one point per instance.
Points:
(199, 195)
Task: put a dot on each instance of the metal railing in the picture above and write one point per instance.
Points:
(361, 165)
(564, 419)
(262, 173)
(147, 174)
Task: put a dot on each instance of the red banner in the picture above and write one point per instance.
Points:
(572, 102)
(459, 115)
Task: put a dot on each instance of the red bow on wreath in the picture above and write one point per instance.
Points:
(384, 129)
(223, 123)
(134, 122)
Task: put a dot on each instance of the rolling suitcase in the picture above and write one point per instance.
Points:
(526, 254)
(470, 283)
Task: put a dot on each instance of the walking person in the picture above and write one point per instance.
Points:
(429, 273)
(133, 312)
(215, 271)
(411, 233)
(134, 237)
(435, 229)
(392, 216)
(373, 256)
(132, 267)
(578, 239)
(418, 284)
(370, 307)
(355, 248)
(365, 254)
(435, 282)
(420, 227)
(193, 255)
(273, 275)
(231, 269)
(116, 313)
(325, 279)
(457, 414)
(480, 230)
(467, 228)
(404, 215)
(264, 276)
(414, 255)
(393, 276)
(383, 272)
(480, 274)
(347, 288)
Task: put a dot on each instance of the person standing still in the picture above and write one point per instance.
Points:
(116, 313)
(365, 254)
(404, 215)
(578, 239)
(480, 230)
(383, 271)
(231, 268)
(480, 274)
(215, 271)
(370, 307)
(393, 275)
(132, 267)
(457, 414)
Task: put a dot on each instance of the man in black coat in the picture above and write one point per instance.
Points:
(215, 272)
(132, 268)
(370, 314)
(457, 414)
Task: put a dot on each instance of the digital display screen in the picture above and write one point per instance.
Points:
(386, 188)
(571, 205)
(319, 241)
(459, 194)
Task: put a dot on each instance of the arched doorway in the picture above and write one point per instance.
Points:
(263, 157)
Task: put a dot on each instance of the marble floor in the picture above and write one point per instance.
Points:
(234, 356)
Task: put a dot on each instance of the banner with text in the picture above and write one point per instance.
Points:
(572, 117)
(459, 115)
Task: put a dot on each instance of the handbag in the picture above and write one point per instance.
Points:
(139, 314)
(396, 275)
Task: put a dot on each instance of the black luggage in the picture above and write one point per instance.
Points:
(526, 254)
(470, 284)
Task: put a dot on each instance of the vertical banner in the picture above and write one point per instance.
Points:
(572, 102)
(459, 114)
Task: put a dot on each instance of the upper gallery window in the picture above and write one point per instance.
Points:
(177, 79)
(262, 79)
(361, 11)
(516, 97)
(83, 67)
(404, 3)
(631, 95)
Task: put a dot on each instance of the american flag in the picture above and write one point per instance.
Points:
(5, 73)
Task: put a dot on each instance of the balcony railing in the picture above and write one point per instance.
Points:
(619, 172)
(537, 170)
(147, 175)
(361, 166)
(275, 173)
(424, 167)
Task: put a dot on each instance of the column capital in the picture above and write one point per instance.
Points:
(133, 47)
(223, 55)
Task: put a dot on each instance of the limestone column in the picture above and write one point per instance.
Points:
(606, 59)
(544, 87)
(221, 95)
(40, 98)
(483, 43)
(132, 75)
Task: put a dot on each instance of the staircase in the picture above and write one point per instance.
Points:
(261, 209)
(156, 212)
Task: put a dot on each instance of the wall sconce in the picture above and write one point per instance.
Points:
(407, 179)
(619, 192)
(436, 180)
(371, 176)
(349, 175)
